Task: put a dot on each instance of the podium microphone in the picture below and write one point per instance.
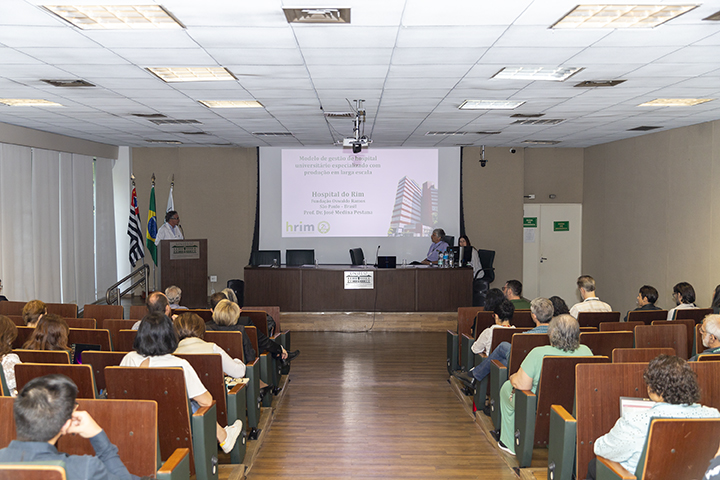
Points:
(377, 252)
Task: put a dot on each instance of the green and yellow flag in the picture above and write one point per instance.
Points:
(151, 231)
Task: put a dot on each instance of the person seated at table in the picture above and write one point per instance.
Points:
(154, 345)
(32, 311)
(8, 334)
(674, 386)
(437, 247)
(44, 411)
(191, 331)
(51, 333)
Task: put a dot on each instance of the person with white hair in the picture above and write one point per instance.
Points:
(174, 294)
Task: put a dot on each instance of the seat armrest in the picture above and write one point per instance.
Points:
(452, 351)
(177, 467)
(266, 375)
(204, 439)
(252, 372)
(561, 444)
(467, 360)
(525, 411)
(498, 376)
(609, 470)
(236, 409)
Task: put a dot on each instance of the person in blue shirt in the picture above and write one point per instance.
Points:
(437, 246)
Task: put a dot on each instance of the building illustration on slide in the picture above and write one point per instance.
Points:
(415, 210)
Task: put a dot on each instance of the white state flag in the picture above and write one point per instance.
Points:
(171, 203)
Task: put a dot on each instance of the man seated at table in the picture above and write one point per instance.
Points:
(44, 411)
(437, 247)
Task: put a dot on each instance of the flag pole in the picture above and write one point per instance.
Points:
(155, 282)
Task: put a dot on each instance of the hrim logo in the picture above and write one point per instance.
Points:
(299, 228)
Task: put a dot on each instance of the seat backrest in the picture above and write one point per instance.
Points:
(23, 335)
(124, 340)
(483, 320)
(90, 336)
(598, 388)
(603, 343)
(43, 356)
(593, 319)
(500, 335)
(619, 326)
(295, 258)
(450, 240)
(669, 454)
(85, 322)
(487, 258)
(356, 256)
(274, 312)
(258, 318)
(521, 345)
(522, 318)
(98, 360)
(647, 316)
(82, 375)
(231, 342)
(696, 314)
(33, 471)
(633, 355)
(101, 312)
(65, 310)
(673, 335)
(252, 335)
(466, 319)
(264, 257)
(11, 308)
(208, 366)
(7, 426)
(204, 313)
(707, 375)
(135, 440)
(166, 386)
(114, 325)
(557, 387)
(16, 319)
(137, 312)
(690, 325)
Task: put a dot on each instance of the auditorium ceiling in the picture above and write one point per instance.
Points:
(414, 62)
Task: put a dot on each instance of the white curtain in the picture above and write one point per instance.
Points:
(105, 253)
(45, 197)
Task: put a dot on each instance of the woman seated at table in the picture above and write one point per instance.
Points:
(154, 344)
(674, 386)
(191, 331)
(51, 333)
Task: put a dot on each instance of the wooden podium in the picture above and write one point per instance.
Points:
(184, 263)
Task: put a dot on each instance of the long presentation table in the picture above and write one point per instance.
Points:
(322, 289)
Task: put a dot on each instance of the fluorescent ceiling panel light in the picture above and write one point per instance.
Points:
(175, 122)
(715, 17)
(557, 74)
(272, 134)
(191, 74)
(644, 128)
(621, 16)
(490, 104)
(541, 142)
(28, 102)
(231, 103)
(675, 102)
(459, 133)
(547, 121)
(599, 83)
(68, 83)
(317, 15)
(169, 142)
(527, 115)
(149, 115)
(115, 17)
(340, 114)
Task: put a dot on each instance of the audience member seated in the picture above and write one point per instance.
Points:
(541, 311)
(646, 299)
(157, 302)
(590, 303)
(713, 471)
(51, 333)
(225, 316)
(513, 292)
(191, 331)
(559, 306)
(674, 386)
(265, 344)
(684, 296)
(564, 334)
(710, 331)
(46, 410)
(503, 313)
(715, 305)
(32, 311)
(154, 344)
(8, 334)
(174, 294)
(437, 247)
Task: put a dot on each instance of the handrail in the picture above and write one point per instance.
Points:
(113, 293)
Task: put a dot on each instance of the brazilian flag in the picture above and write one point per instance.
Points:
(151, 232)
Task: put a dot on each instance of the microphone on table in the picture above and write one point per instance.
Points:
(377, 252)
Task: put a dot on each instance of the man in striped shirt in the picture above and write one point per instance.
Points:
(590, 303)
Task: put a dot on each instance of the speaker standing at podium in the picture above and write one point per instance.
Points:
(171, 229)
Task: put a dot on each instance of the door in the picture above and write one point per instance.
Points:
(552, 250)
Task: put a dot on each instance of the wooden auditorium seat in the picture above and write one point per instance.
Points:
(65, 310)
(85, 322)
(647, 316)
(114, 325)
(619, 326)
(670, 334)
(43, 356)
(82, 375)
(125, 340)
(90, 336)
(101, 312)
(690, 325)
(603, 343)
(98, 360)
(593, 319)
(695, 314)
(634, 355)
(11, 308)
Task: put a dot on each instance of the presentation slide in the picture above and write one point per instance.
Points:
(382, 193)
(385, 200)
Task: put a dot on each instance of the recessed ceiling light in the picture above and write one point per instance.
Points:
(191, 74)
(541, 142)
(599, 83)
(547, 121)
(715, 17)
(675, 102)
(460, 133)
(527, 115)
(149, 115)
(68, 83)
(194, 133)
(169, 142)
(317, 15)
(339, 114)
(272, 134)
(620, 16)
(231, 103)
(643, 128)
(28, 102)
(170, 121)
(557, 74)
(490, 104)
(113, 17)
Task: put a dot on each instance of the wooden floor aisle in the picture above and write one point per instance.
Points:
(373, 405)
